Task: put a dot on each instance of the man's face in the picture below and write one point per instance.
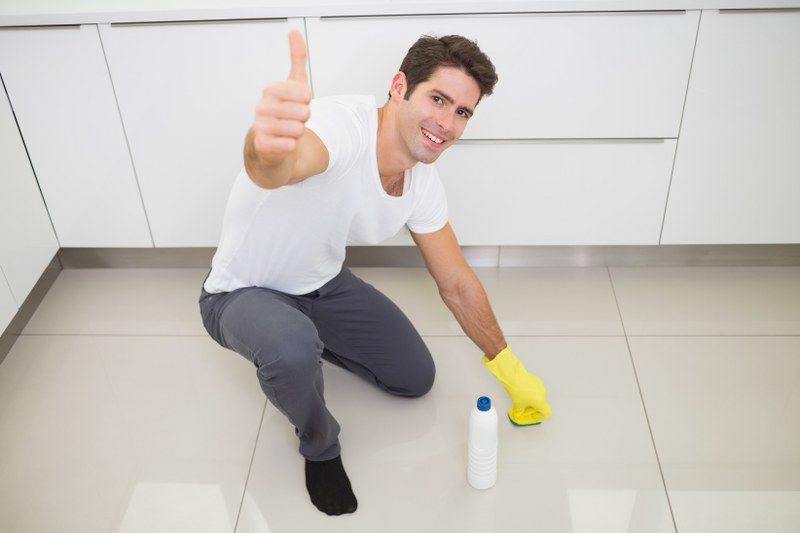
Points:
(441, 107)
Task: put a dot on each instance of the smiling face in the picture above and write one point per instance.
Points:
(437, 112)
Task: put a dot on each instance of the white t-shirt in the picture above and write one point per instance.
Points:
(292, 239)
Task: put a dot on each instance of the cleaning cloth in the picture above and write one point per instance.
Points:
(527, 392)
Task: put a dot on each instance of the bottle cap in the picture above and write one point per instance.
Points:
(484, 403)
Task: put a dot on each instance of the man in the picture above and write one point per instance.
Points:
(320, 175)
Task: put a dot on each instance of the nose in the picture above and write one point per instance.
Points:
(445, 123)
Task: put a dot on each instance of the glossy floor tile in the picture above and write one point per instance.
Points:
(724, 414)
(407, 457)
(131, 301)
(525, 301)
(122, 301)
(119, 413)
(114, 433)
(709, 300)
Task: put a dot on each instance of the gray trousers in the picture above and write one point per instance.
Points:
(347, 322)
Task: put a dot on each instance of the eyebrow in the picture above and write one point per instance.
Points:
(450, 100)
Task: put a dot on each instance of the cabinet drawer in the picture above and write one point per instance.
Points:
(557, 193)
(598, 75)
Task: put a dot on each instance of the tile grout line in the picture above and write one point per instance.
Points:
(250, 468)
(641, 397)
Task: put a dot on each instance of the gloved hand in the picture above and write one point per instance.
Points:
(527, 392)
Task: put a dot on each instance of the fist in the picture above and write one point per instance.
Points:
(283, 109)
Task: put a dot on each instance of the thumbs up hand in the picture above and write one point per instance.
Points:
(283, 109)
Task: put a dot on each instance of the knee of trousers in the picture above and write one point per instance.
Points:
(292, 356)
(422, 380)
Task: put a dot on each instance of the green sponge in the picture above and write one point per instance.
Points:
(523, 425)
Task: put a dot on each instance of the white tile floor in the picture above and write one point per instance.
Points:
(675, 394)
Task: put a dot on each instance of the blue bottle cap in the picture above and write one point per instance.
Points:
(484, 403)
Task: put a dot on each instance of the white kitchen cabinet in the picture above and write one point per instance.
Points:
(187, 93)
(27, 241)
(8, 306)
(58, 83)
(557, 193)
(737, 168)
(561, 75)
(401, 238)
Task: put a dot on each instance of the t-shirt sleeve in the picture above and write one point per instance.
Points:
(338, 127)
(430, 205)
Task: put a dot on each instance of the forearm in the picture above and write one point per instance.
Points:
(268, 174)
(471, 308)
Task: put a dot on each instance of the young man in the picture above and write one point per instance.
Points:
(320, 175)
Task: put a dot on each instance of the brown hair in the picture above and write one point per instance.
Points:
(430, 53)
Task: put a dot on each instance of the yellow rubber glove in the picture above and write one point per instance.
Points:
(527, 392)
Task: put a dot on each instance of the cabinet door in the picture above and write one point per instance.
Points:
(27, 241)
(737, 169)
(561, 75)
(8, 306)
(59, 86)
(557, 193)
(187, 93)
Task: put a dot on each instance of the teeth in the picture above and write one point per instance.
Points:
(432, 137)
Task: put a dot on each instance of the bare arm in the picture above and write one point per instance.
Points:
(460, 289)
(308, 159)
(471, 308)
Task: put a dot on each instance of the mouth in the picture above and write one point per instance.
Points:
(432, 140)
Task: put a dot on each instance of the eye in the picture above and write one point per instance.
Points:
(436, 98)
(464, 114)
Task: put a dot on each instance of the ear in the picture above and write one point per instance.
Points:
(397, 89)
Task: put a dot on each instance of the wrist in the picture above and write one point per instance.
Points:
(502, 354)
(505, 348)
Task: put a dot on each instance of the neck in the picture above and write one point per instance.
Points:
(393, 156)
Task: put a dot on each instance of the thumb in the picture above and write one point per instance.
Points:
(297, 51)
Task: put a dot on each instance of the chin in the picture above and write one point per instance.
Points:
(428, 158)
(433, 158)
(424, 155)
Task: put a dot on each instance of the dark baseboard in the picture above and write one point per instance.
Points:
(29, 306)
(477, 256)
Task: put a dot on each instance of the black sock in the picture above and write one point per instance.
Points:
(329, 486)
